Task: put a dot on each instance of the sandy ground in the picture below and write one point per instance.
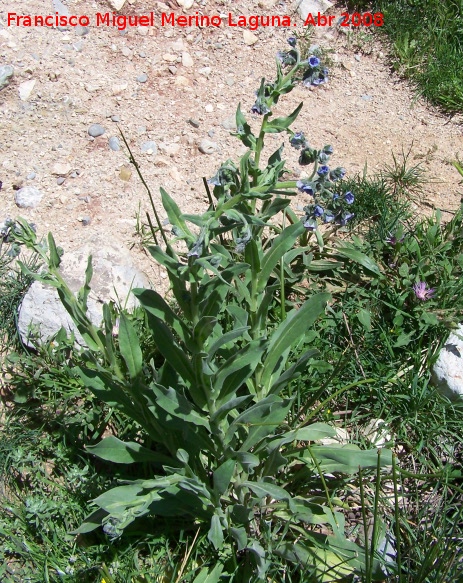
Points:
(365, 112)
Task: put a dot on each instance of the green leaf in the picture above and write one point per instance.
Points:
(175, 217)
(83, 293)
(244, 132)
(263, 489)
(364, 317)
(280, 246)
(290, 331)
(237, 369)
(206, 576)
(215, 534)
(167, 346)
(118, 498)
(293, 372)
(346, 458)
(155, 304)
(280, 124)
(130, 347)
(55, 259)
(348, 251)
(223, 475)
(313, 432)
(114, 450)
(229, 406)
(178, 406)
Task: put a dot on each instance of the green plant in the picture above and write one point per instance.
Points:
(13, 286)
(214, 400)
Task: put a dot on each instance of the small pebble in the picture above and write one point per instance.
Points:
(74, 175)
(60, 181)
(149, 147)
(366, 97)
(96, 130)
(172, 69)
(114, 144)
(193, 122)
(209, 108)
(211, 133)
(86, 221)
(31, 176)
(115, 118)
(143, 78)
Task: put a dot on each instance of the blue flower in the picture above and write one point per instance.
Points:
(323, 170)
(329, 217)
(298, 140)
(318, 211)
(305, 187)
(314, 61)
(346, 217)
(310, 224)
(349, 197)
(292, 41)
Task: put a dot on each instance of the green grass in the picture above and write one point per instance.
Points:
(427, 45)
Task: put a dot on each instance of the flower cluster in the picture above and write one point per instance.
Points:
(311, 71)
(328, 206)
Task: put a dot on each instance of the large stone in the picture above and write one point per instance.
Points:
(113, 277)
(447, 373)
(28, 197)
(306, 7)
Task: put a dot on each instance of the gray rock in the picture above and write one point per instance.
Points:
(447, 373)
(60, 181)
(366, 97)
(229, 123)
(113, 277)
(96, 130)
(149, 146)
(62, 11)
(28, 197)
(207, 147)
(78, 46)
(86, 221)
(82, 30)
(115, 118)
(143, 78)
(114, 144)
(31, 176)
(194, 123)
(6, 72)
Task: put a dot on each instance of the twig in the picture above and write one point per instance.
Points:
(353, 346)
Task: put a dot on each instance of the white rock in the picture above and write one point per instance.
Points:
(116, 4)
(209, 108)
(28, 197)
(113, 278)
(306, 7)
(447, 373)
(377, 432)
(25, 89)
(119, 88)
(187, 61)
(249, 37)
(207, 147)
(185, 4)
(341, 437)
(60, 169)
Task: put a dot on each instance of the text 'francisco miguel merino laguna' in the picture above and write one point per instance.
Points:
(122, 21)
